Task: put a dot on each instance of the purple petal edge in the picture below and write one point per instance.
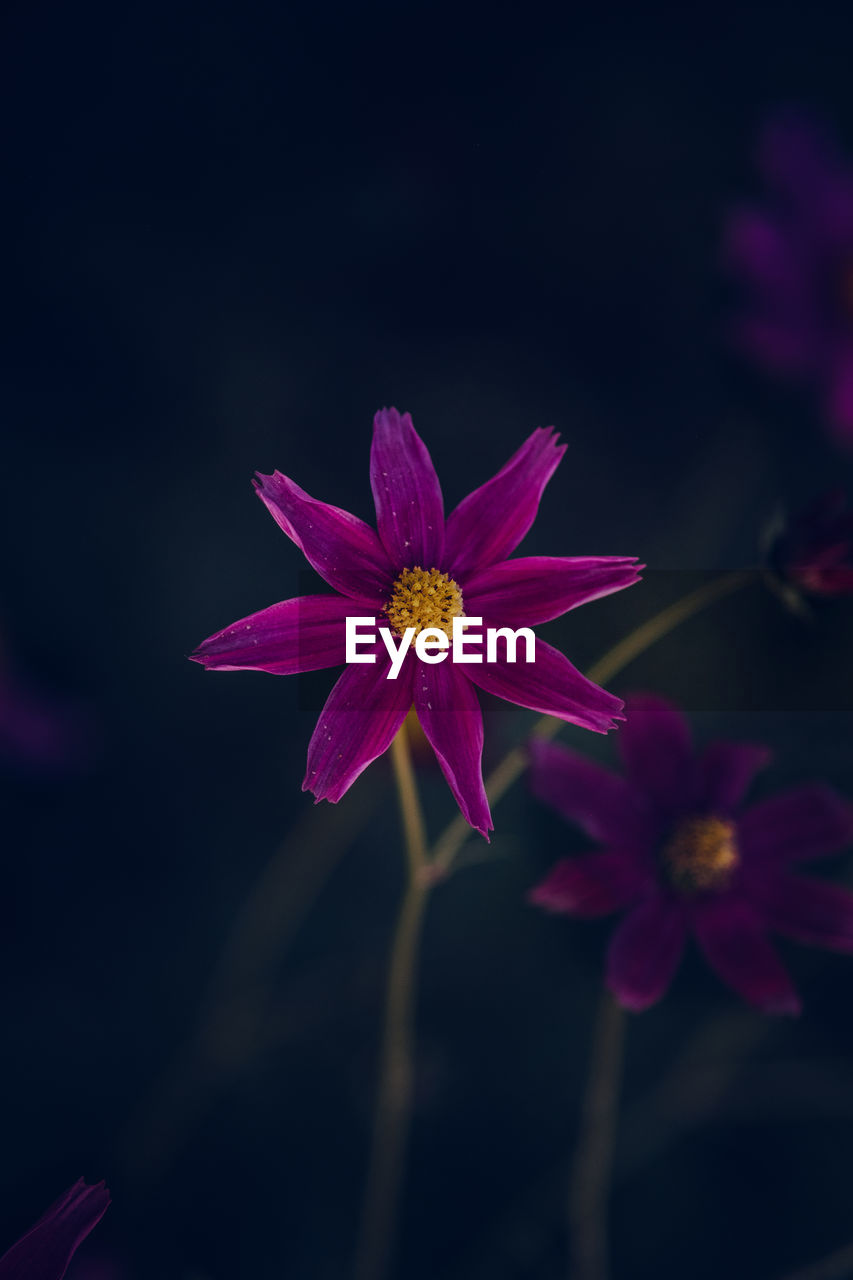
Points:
(409, 505)
(492, 520)
(47, 1248)
(343, 549)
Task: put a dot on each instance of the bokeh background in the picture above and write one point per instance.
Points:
(233, 233)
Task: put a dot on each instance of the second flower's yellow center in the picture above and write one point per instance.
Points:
(700, 855)
(424, 598)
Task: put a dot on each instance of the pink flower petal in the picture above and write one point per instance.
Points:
(645, 951)
(811, 821)
(343, 549)
(726, 771)
(304, 634)
(734, 939)
(809, 911)
(46, 1250)
(358, 723)
(655, 746)
(409, 505)
(602, 803)
(450, 716)
(534, 589)
(592, 885)
(551, 685)
(491, 521)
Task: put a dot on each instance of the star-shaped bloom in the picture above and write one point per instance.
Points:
(794, 254)
(680, 857)
(47, 1248)
(421, 570)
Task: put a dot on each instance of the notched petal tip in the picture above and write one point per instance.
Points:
(391, 418)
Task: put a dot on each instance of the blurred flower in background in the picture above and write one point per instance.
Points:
(680, 858)
(421, 570)
(794, 255)
(811, 554)
(47, 1248)
(41, 733)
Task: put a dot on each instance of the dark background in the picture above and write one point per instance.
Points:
(231, 234)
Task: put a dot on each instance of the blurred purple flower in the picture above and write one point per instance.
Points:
(812, 553)
(680, 858)
(46, 1250)
(794, 253)
(416, 559)
(40, 734)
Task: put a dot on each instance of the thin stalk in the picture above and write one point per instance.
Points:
(392, 1116)
(835, 1266)
(589, 1187)
(611, 664)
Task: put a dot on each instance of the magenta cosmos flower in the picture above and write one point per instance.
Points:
(794, 254)
(422, 570)
(679, 857)
(812, 553)
(46, 1250)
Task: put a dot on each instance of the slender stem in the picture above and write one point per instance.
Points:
(394, 1099)
(590, 1180)
(617, 658)
(410, 806)
(611, 664)
(230, 1026)
(833, 1267)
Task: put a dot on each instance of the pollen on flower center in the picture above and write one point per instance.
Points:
(701, 854)
(424, 598)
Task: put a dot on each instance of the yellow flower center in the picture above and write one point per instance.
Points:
(700, 855)
(424, 598)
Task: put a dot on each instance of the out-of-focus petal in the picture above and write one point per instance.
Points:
(840, 398)
(655, 745)
(409, 506)
(807, 910)
(551, 685)
(358, 723)
(304, 634)
(734, 939)
(46, 1250)
(644, 952)
(343, 549)
(811, 821)
(450, 716)
(783, 343)
(490, 523)
(534, 589)
(799, 156)
(602, 803)
(760, 246)
(726, 771)
(592, 885)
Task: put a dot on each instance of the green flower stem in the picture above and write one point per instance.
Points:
(394, 1098)
(392, 1115)
(836, 1266)
(590, 1178)
(611, 664)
